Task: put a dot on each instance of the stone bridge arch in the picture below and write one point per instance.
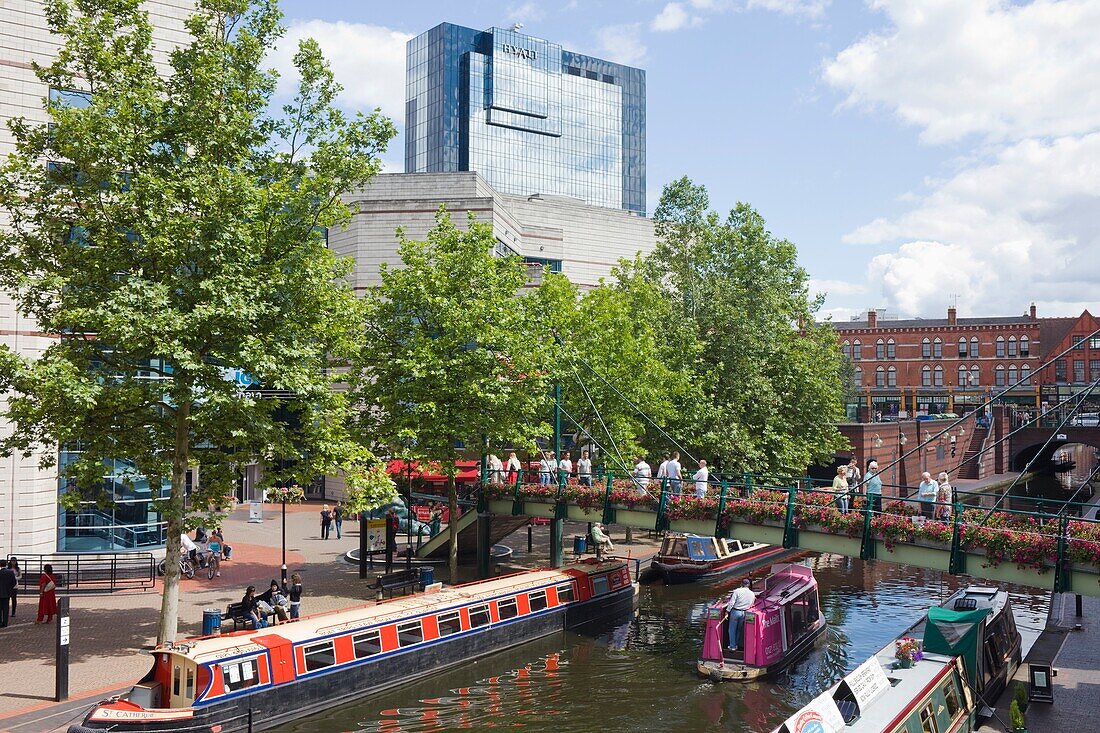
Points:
(1028, 443)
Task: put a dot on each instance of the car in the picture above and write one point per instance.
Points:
(1086, 420)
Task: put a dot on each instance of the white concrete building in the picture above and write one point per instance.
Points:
(580, 240)
(28, 495)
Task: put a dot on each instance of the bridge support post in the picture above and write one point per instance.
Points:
(790, 530)
(484, 543)
(608, 510)
(1062, 579)
(662, 521)
(957, 562)
(517, 503)
(721, 529)
(557, 526)
(867, 542)
(746, 489)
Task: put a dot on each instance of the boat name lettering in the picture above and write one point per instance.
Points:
(113, 714)
(770, 621)
(773, 649)
(235, 651)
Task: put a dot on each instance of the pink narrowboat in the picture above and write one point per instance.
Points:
(783, 624)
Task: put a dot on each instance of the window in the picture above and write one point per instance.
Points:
(937, 376)
(975, 376)
(926, 376)
(1078, 371)
(846, 349)
(1025, 375)
(449, 623)
(1011, 347)
(1094, 369)
(880, 377)
(1000, 347)
(999, 376)
(962, 376)
(507, 609)
(892, 377)
(70, 98)
(926, 348)
(889, 348)
(189, 689)
(176, 681)
(1094, 342)
(537, 600)
(599, 585)
(1078, 342)
(857, 377)
(1025, 346)
(366, 644)
(962, 348)
(319, 656)
(1060, 371)
(239, 675)
(479, 616)
(857, 351)
(409, 633)
(1013, 376)
(928, 720)
(880, 349)
(951, 698)
(565, 593)
(937, 348)
(974, 347)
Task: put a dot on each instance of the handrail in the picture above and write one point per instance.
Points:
(92, 574)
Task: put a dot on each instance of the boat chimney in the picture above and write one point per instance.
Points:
(952, 316)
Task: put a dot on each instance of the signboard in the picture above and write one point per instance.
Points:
(867, 682)
(63, 636)
(820, 716)
(376, 534)
(255, 511)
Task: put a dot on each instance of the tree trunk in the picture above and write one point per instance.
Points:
(170, 599)
(452, 528)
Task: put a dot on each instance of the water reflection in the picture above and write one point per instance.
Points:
(641, 676)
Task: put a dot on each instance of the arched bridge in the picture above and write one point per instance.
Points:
(1026, 442)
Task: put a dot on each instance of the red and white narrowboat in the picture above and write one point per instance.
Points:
(783, 624)
(259, 679)
(684, 558)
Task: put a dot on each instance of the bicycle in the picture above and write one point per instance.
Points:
(213, 560)
(187, 568)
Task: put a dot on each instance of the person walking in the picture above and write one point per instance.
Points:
(584, 469)
(13, 565)
(642, 472)
(740, 601)
(338, 517)
(662, 469)
(47, 595)
(9, 582)
(945, 496)
(927, 492)
(546, 469)
(496, 469)
(326, 521)
(853, 475)
(840, 489)
(872, 486)
(675, 475)
(513, 467)
(701, 478)
(565, 468)
(294, 593)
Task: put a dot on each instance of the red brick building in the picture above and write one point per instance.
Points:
(1079, 367)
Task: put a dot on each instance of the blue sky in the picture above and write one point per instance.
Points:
(918, 153)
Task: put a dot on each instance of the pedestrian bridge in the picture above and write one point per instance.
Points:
(1042, 550)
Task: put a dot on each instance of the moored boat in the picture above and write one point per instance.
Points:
(250, 680)
(684, 558)
(959, 660)
(783, 624)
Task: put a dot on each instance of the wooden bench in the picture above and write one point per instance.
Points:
(400, 580)
(236, 612)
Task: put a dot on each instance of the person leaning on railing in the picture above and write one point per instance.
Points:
(872, 486)
(840, 489)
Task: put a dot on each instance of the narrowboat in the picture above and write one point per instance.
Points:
(250, 680)
(684, 558)
(968, 650)
(783, 624)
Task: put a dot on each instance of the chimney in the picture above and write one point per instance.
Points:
(1033, 311)
(952, 316)
(872, 318)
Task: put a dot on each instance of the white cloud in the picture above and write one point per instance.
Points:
(622, 43)
(987, 67)
(673, 17)
(808, 8)
(834, 287)
(368, 60)
(529, 12)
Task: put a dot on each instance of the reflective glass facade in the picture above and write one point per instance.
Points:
(525, 114)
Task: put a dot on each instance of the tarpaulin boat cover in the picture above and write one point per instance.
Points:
(956, 633)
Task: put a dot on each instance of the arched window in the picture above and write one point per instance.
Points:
(926, 376)
(974, 347)
(937, 348)
(937, 376)
(1025, 346)
(963, 374)
(859, 377)
(999, 376)
(926, 349)
(880, 350)
(1000, 347)
(889, 348)
(846, 349)
(1013, 375)
(1025, 374)
(880, 377)
(891, 377)
(857, 350)
(962, 348)
(975, 376)
(1011, 347)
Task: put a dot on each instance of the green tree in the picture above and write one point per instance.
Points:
(455, 356)
(768, 369)
(180, 238)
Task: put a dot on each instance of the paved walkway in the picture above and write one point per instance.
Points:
(110, 634)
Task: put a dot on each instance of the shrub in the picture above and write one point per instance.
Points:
(1015, 716)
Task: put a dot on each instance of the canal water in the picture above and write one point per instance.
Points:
(641, 677)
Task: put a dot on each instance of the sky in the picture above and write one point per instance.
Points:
(920, 153)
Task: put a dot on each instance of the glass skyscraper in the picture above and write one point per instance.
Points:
(526, 115)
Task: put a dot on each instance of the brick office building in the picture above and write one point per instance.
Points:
(1079, 367)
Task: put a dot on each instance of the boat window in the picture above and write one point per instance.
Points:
(479, 616)
(319, 656)
(189, 690)
(239, 675)
(537, 600)
(801, 615)
(176, 681)
(507, 609)
(599, 585)
(409, 633)
(367, 643)
(565, 593)
(678, 547)
(928, 720)
(449, 623)
(951, 698)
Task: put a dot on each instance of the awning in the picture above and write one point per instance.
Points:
(467, 471)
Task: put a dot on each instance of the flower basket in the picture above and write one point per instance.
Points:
(908, 651)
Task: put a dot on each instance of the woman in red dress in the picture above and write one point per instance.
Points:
(47, 595)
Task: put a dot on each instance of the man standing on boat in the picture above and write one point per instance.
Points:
(739, 603)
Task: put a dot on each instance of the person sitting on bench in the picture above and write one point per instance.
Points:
(251, 608)
(601, 541)
(274, 600)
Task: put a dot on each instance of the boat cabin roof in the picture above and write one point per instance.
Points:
(975, 598)
(785, 583)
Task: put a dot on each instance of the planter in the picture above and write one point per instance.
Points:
(703, 527)
(936, 558)
(903, 663)
(820, 539)
(538, 509)
(766, 533)
(578, 514)
(637, 518)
